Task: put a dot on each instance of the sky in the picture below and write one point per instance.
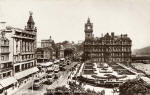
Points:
(65, 19)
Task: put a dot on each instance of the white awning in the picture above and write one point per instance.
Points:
(146, 79)
(8, 81)
(25, 73)
(62, 59)
(33, 70)
(46, 64)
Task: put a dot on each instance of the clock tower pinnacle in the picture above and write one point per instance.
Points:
(88, 29)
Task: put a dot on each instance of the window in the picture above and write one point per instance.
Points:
(9, 74)
(1, 76)
(22, 66)
(4, 75)
(2, 58)
(22, 57)
(17, 68)
(26, 66)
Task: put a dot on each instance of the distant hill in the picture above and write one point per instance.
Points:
(142, 51)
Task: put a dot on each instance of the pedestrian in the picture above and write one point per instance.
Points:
(5, 92)
(103, 92)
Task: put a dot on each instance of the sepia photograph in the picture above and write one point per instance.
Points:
(74, 47)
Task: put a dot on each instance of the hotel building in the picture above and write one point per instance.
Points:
(108, 48)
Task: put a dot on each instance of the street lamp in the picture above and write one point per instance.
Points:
(32, 82)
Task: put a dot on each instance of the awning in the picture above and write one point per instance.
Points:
(33, 70)
(46, 64)
(1, 87)
(146, 79)
(62, 59)
(8, 81)
(26, 73)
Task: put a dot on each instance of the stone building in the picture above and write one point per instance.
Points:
(6, 66)
(5, 63)
(23, 46)
(47, 51)
(47, 42)
(107, 48)
(44, 54)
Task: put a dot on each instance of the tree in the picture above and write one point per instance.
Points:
(133, 86)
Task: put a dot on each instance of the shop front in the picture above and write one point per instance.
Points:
(7, 85)
(1, 89)
(26, 76)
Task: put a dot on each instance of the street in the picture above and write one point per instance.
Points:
(62, 80)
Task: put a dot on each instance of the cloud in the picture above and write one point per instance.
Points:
(64, 19)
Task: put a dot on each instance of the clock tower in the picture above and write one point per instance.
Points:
(88, 29)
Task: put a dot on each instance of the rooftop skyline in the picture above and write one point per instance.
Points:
(65, 19)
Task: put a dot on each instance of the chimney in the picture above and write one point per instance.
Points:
(112, 34)
(121, 35)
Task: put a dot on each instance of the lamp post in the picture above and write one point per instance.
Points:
(32, 82)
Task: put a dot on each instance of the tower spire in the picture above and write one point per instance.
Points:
(88, 20)
(88, 29)
(30, 23)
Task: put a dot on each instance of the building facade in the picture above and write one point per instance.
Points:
(5, 62)
(44, 54)
(47, 51)
(47, 43)
(6, 65)
(22, 51)
(108, 48)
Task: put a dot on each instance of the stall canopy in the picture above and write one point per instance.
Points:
(26, 73)
(7, 81)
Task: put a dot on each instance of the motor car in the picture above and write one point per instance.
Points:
(68, 62)
(56, 74)
(50, 78)
(37, 83)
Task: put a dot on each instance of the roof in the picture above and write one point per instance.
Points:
(7, 81)
(146, 79)
(30, 19)
(141, 57)
(112, 36)
(46, 64)
(45, 48)
(25, 73)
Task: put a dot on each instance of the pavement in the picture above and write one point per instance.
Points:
(61, 81)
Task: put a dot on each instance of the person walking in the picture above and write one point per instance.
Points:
(5, 92)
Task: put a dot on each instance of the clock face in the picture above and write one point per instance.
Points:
(88, 27)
